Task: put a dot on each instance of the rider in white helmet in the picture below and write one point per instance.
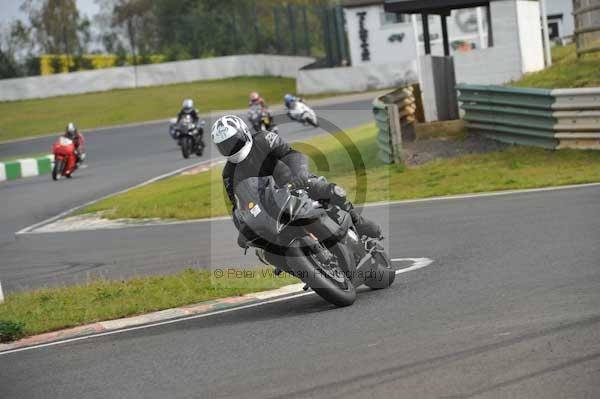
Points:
(71, 132)
(267, 154)
(187, 108)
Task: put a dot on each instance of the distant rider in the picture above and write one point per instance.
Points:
(256, 99)
(187, 108)
(73, 134)
(267, 154)
(290, 101)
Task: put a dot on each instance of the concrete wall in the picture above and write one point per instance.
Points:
(510, 56)
(530, 39)
(382, 51)
(462, 25)
(564, 9)
(151, 75)
(358, 78)
(517, 45)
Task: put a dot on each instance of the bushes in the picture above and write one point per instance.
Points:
(11, 331)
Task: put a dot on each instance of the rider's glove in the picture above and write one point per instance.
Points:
(299, 181)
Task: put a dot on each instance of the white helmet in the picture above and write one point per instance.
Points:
(232, 137)
(188, 105)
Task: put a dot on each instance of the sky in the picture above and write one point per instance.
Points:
(9, 9)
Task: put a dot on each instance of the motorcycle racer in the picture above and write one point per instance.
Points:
(71, 132)
(267, 154)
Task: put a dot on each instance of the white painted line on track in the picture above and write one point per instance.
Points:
(479, 195)
(418, 263)
(61, 215)
(31, 229)
(162, 323)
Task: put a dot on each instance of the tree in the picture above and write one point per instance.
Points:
(137, 20)
(15, 46)
(58, 27)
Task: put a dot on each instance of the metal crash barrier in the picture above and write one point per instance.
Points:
(553, 119)
(395, 116)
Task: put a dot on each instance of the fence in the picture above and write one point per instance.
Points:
(553, 119)
(395, 116)
(150, 75)
(587, 25)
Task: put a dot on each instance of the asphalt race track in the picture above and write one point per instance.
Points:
(509, 308)
(117, 158)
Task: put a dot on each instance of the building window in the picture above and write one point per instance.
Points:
(392, 18)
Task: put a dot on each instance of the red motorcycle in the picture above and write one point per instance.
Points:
(65, 159)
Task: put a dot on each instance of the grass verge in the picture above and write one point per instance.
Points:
(132, 105)
(15, 158)
(567, 71)
(118, 107)
(199, 196)
(51, 309)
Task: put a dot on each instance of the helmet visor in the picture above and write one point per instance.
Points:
(233, 144)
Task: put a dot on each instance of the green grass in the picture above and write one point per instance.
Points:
(14, 158)
(51, 309)
(198, 196)
(567, 71)
(35, 117)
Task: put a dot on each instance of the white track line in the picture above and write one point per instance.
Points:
(479, 195)
(31, 229)
(418, 263)
(61, 215)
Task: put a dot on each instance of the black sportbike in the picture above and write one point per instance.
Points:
(312, 240)
(189, 136)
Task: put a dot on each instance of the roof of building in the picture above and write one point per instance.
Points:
(430, 6)
(361, 3)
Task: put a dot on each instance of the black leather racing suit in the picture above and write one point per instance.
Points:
(272, 156)
(193, 113)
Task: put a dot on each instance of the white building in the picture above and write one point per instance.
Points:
(391, 37)
(561, 24)
(483, 54)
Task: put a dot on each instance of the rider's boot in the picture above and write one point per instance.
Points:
(320, 188)
(365, 227)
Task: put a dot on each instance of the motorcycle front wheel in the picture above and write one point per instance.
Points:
(383, 275)
(57, 169)
(331, 284)
(186, 146)
(310, 120)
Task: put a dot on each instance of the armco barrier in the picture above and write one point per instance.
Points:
(554, 119)
(27, 167)
(395, 117)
